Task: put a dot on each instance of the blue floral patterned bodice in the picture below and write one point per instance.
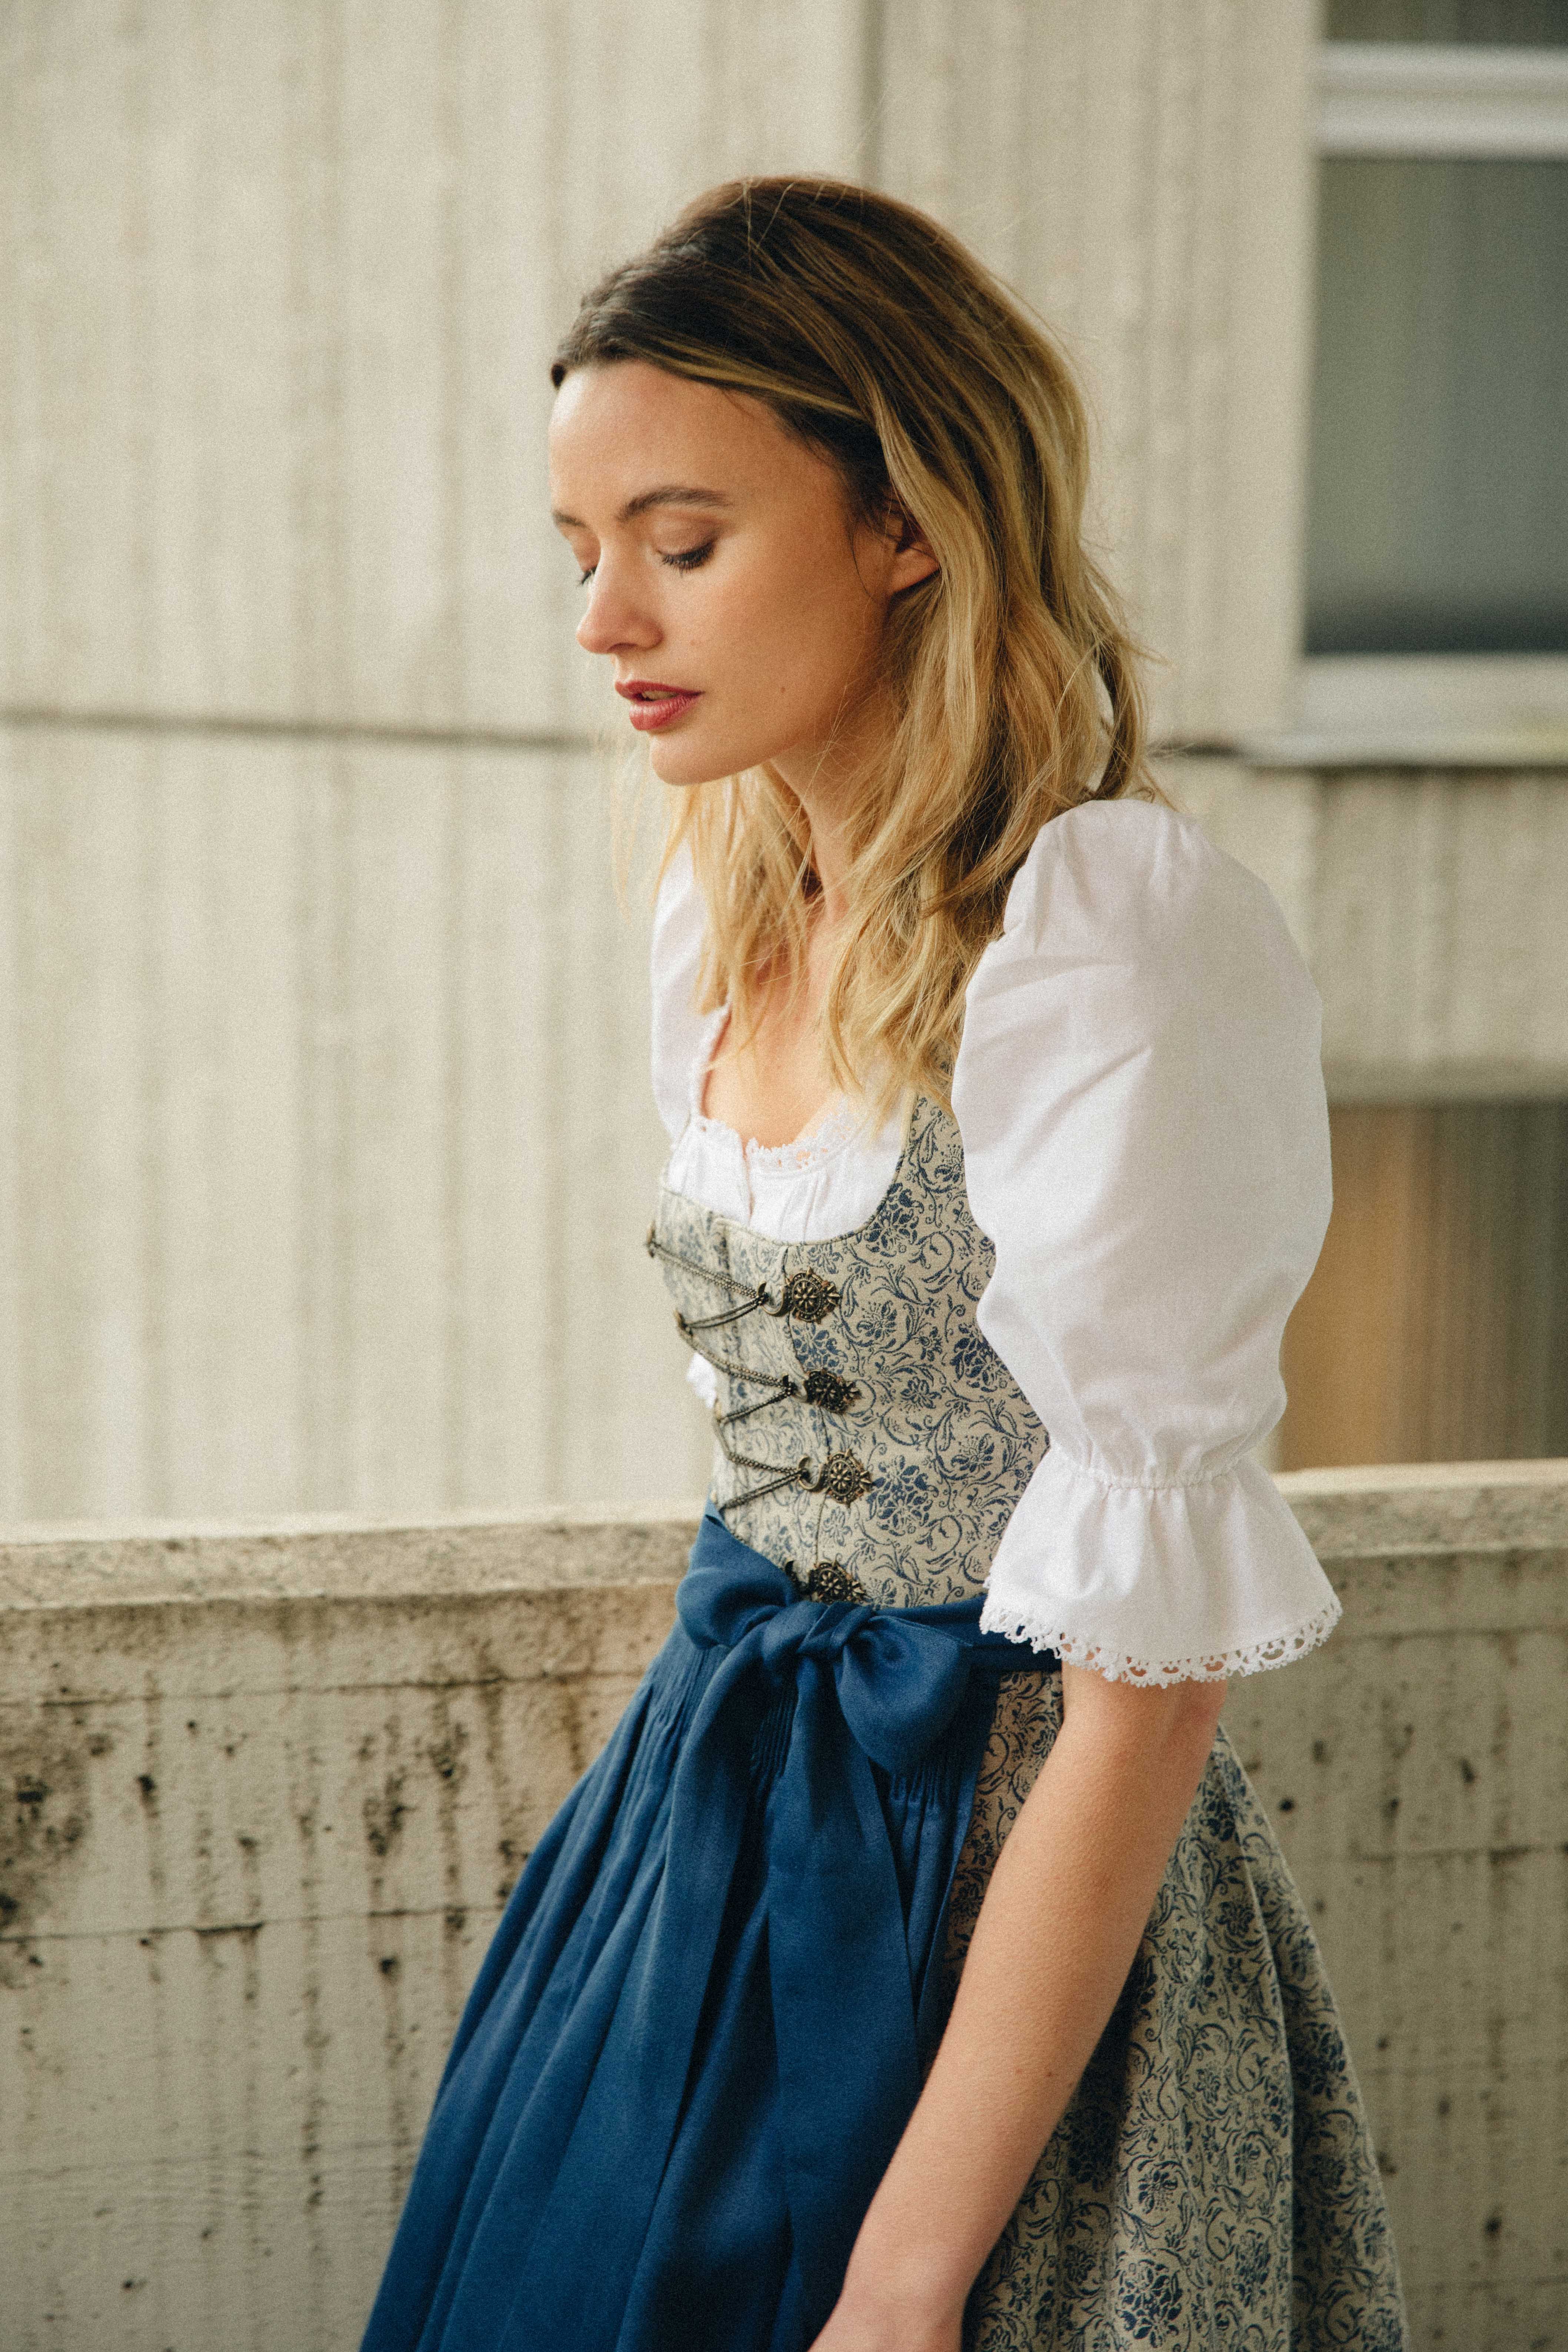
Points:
(869, 1439)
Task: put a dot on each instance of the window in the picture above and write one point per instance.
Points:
(1436, 574)
(1434, 1327)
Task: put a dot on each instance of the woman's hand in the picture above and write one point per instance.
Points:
(1060, 1925)
(865, 2325)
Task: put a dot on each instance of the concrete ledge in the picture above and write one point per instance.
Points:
(1348, 1515)
(333, 1557)
(1431, 1508)
(263, 1791)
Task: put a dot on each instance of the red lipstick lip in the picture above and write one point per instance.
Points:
(654, 705)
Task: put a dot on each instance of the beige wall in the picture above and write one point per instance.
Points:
(326, 1140)
(1429, 904)
(325, 1145)
(264, 1792)
(1143, 174)
(279, 282)
(1436, 1326)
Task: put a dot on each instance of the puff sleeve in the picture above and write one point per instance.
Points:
(1139, 1095)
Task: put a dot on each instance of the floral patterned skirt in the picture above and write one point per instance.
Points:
(1213, 2182)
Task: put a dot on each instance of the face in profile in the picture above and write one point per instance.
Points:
(740, 604)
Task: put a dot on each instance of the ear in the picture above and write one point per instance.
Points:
(913, 559)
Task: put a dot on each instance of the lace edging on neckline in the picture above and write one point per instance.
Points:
(838, 1128)
(1249, 1658)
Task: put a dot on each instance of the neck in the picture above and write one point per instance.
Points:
(829, 855)
(824, 781)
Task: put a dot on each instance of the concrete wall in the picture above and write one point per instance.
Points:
(325, 1144)
(324, 1139)
(1436, 1326)
(326, 1150)
(1428, 903)
(1144, 175)
(264, 1793)
(279, 282)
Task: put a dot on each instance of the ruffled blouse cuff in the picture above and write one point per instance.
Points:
(1158, 1584)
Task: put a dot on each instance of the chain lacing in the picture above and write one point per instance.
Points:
(826, 1390)
(806, 1297)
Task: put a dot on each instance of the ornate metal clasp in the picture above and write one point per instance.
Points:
(828, 1580)
(808, 1296)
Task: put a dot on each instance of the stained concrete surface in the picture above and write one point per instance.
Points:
(265, 1790)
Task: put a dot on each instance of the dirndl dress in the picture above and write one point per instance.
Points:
(710, 2004)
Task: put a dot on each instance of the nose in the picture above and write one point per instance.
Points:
(611, 618)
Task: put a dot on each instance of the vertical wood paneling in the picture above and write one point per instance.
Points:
(395, 1113)
(16, 1392)
(227, 974)
(326, 1057)
(1429, 907)
(399, 290)
(260, 841)
(617, 1320)
(509, 1007)
(513, 187)
(213, 323)
(76, 601)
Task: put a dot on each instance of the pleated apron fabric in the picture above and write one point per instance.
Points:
(707, 2009)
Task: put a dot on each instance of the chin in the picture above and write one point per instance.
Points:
(676, 763)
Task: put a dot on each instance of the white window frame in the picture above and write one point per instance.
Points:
(1415, 98)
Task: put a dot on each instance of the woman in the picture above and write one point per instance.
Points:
(916, 1966)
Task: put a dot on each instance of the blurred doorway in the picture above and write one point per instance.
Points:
(1435, 1327)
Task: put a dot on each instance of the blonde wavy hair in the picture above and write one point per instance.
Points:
(1010, 673)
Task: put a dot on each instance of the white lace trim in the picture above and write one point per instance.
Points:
(838, 1126)
(1251, 1658)
(837, 1131)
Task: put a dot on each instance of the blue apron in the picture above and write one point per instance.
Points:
(706, 2011)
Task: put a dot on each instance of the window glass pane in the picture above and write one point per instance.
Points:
(1436, 1326)
(1438, 508)
(1527, 23)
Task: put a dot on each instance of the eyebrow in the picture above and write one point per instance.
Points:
(669, 494)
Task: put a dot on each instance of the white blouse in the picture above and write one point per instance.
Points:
(1140, 1096)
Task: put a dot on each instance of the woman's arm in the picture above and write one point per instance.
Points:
(1058, 1929)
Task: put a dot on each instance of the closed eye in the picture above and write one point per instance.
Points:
(686, 559)
(683, 559)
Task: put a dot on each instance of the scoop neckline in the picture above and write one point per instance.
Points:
(914, 1104)
(836, 1127)
(815, 1143)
